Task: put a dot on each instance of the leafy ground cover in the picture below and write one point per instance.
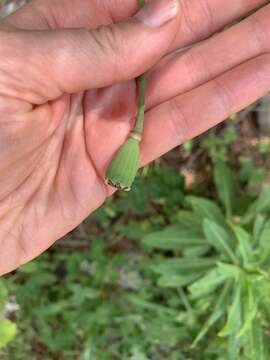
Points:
(177, 269)
(166, 271)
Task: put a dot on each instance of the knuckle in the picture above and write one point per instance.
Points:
(191, 9)
(107, 38)
(194, 61)
(178, 121)
(260, 33)
(112, 48)
(222, 96)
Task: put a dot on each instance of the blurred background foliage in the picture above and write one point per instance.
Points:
(178, 268)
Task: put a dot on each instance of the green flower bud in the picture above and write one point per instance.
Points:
(124, 166)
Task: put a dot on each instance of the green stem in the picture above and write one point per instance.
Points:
(185, 300)
(138, 128)
(141, 3)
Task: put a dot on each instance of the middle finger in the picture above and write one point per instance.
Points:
(182, 72)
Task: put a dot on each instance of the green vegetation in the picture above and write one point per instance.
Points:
(161, 274)
(222, 258)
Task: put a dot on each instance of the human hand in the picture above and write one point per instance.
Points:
(67, 101)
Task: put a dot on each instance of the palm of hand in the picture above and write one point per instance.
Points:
(54, 177)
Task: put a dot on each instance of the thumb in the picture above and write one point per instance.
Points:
(73, 60)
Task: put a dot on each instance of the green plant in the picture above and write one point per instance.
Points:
(102, 303)
(217, 145)
(7, 327)
(249, 173)
(263, 146)
(114, 300)
(220, 265)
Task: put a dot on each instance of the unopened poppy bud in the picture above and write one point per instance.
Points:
(122, 170)
(124, 166)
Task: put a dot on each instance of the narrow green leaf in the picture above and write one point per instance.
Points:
(244, 244)
(217, 313)
(207, 284)
(219, 239)
(249, 307)
(136, 300)
(261, 204)
(205, 208)
(264, 243)
(174, 237)
(262, 288)
(176, 281)
(255, 347)
(225, 185)
(234, 318)
(196, 251)
(234, 346)
(181, 266)
(258, 227)
(233, 325)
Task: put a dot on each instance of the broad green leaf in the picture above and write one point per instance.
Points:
(255, 347)
(244, 244)
(225, 185)
(207, 284)
(177, 280)
(261, 204)
(205, 208)
(234, 318)
(264, 243)
(180, 266)
(7, 332)
(219, 310)
(219, 239)
(174, 237)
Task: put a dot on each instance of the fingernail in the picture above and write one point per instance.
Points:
(158, 12)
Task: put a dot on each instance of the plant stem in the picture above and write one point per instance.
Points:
(138, 128)
(185, 300)
(124, 165)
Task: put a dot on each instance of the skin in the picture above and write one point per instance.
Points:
(67, 100)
